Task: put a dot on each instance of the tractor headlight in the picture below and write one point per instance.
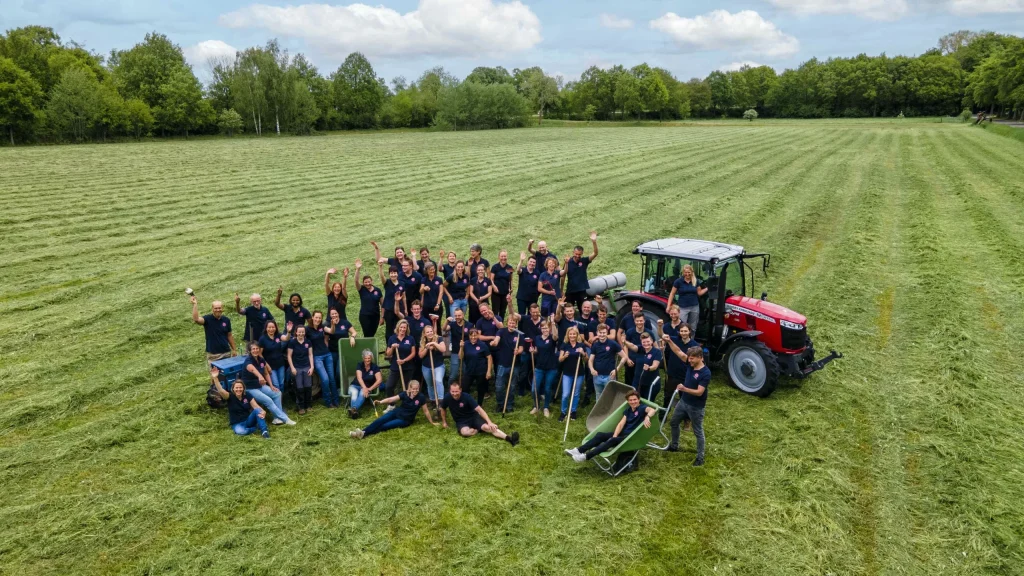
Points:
(791, 325)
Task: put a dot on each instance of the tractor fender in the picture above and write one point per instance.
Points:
(627, 296)
(752, 334)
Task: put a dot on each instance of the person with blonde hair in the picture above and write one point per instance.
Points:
(409, 403)
(544, 348)
(573, 355)
(689, 293)
(431, 355)
(401, 351)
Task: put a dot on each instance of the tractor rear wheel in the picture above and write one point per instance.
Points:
(752, 367)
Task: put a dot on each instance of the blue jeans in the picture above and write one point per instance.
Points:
(434, 382)
(328, 385)
(500, 382)
(277, 377)
(548, 306)
(544, 383)
(270, 400)
(455, 371)
(600, 381)
(460, 304)
(567, 390)
(355, 392)
(388, 421)
(251, 424)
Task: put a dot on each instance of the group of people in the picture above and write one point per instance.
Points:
(453, 327)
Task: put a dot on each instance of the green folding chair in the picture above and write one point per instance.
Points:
(608, 461)
(349, 360)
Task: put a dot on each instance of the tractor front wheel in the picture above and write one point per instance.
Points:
(752, 367)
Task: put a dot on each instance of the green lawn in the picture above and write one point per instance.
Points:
(901, 242)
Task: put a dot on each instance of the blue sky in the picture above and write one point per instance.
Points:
(405, 37)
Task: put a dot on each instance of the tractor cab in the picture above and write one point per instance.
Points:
(756, 339)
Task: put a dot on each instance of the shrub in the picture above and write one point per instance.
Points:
(229, 122)
(750, 115)
(965, 116)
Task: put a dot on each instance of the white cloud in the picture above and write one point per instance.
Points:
(436, 27)
(201, 54)
(873, 9)
(737, 65)
(744, 32)
(969, 7)
(613, 21)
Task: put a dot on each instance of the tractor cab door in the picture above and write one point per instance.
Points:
(725, 279)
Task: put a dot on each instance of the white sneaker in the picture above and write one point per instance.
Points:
(579, 457)
(547, 413)
(277, 421)
(534, 411)
(354, 434)
(572, 453)
(360, 434)
(290, 422)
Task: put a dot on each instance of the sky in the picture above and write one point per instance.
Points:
(564, 37)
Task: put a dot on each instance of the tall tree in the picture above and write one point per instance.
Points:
(358, 92)
(20, 99)
(539, 89)
(183, 108)
(486, 75)
(74, 104)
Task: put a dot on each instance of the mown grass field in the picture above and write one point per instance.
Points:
(901, 242)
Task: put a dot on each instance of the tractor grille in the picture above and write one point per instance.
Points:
(794, 339)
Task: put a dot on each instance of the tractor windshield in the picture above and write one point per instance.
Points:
(659, 272)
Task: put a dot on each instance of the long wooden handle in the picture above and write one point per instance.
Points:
(568, 417)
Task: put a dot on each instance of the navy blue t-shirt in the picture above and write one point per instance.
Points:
(551, 282)
(643, 377)
(472, 266)
(530, 329)
(369, 301)
(217, 330)
(675, 366)
(341, 332)
(462, 409)
(432, 296)
(336, 304)
(527, 289)
(298, 317)
(576, 275)
(605, 354)
(411, 284)
(457, 286)
(318, 338)
(408, 407)
(273, 350)
(239, 410)
(251, 380)
(686, 293)
(634, 418)
(369, 374)
(459, 334)
(392, 291)
(634, 337)
(563, 328)
(474, 358)
(569, 365)
(542, 258)
(447, 270)
(300, 352)
(488, 327)
(255, 321)
(608, 321)
(695, 379)
(507, 345)
(416, 326)
(588, 326)
(546, 356)
(405, 347)
(436, 355)
(502, 278)
(480, 287)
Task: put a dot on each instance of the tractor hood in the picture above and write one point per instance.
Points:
(766, 309)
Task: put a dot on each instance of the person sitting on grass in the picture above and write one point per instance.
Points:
(256, 377)
(244, 415)
(368, 378)
(470, 417)
(409, 403)
(695, 396)
(632, 417)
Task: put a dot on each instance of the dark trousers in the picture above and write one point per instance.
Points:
(386, 422)
(394, 383)
(576, 299)
(599, 443)
(481, 385)
(390, 320)
(500, 305)
(630, 372)
(523, 306)
(369, 323)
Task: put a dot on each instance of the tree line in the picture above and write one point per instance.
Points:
(57, 91)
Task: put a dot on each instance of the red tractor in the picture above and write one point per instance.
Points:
(755, 339)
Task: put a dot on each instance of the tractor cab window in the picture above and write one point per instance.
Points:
(733, 277)
(660, 272)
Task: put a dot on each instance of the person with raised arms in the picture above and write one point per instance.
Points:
(421, 264)
(470, 417)
(676, 342)
(565, 317)
(409, 403)
(577, 282)
(401, 351)
(431, 353)
(368, 378)
(477, 363)
(371, 314)
(294, 313)
(632, 342)
(300, 362)
(337, 293)
(633, 416)
(542, 253)
(695, 396)
(457, 330)
(545, 358)
(339, 329)
(689, 292)
(220, 343)
(244, 415)
(395, 262)
(549, 284)
(255, 376)
(526, 291)
(256, 317)
(323, 362)
(392, 295)
(275, 345)
(531, 324)
(573, 356)
(411, 282)
(648, 360)
(606, 359)
(457, 287)
(501, 279)
(508, 344)
(448, 260)
(480, 290)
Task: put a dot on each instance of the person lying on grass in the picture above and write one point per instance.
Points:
(470, 417)
(412, 401)
(632, 417)
(244, 415)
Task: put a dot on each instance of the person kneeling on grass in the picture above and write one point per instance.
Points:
(470, 417)
(244, 415)
(695, 396)
(412, 401)
(633, 415)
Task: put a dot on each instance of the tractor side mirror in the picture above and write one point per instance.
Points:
(764, 295)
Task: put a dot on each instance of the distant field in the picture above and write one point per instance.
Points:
(902, 242)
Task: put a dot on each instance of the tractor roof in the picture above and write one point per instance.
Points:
(692, 249)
